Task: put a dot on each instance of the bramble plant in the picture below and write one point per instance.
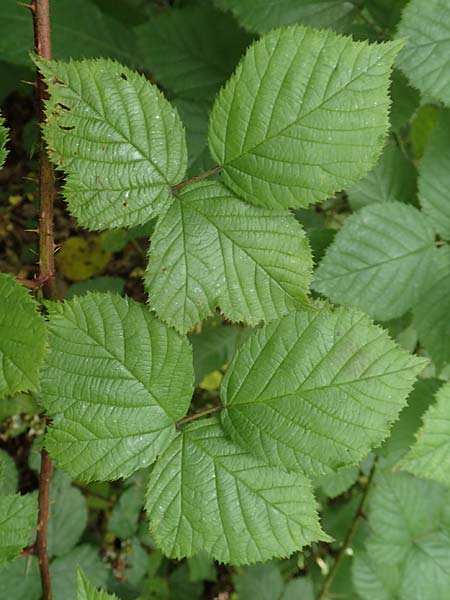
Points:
(312, 321)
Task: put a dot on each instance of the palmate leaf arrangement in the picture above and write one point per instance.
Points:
(315, 387)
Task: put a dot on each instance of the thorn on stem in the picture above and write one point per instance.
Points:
(31, 6)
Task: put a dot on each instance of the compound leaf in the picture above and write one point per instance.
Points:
(379, 260)
(211, 249)
(86, 591)
(192, 51)
(393, 178)
(115, 381)
(18, 520)
(430, 455)
(268, 14)
(434, 180)
(304, 115)
(426, 56)
(430, 313)
(120, 142)
(22, 338)
(205, 493)
(316, 390)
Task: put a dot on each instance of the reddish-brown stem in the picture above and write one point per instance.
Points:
(198, 415)
(40, 10)
(203, 175)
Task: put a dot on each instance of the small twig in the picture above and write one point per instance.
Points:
(359, 516)
(199, 415)
(203, 175)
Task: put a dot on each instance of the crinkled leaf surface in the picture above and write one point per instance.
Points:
(394, 178)
(264, 15)
(192, 51)
(379, 260)
(18, 519)
(426, 56)
(316, 390)
(206, 493)
(434, 180)
(22, 338)
(211, 249)
(115, 381)
(79, 30)
(3, 139)
(119, 141)
(431, 311)
(304, 115)
(86, 591)
(409, 548)
(430, 455)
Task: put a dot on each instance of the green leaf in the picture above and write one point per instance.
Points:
(430, 456)
(119, 141)
(335, 484)
(316, 390)
(20, 579)
(115, 381)
(434, 180)
(18, 518)
(96, 284)
(425, 58)
(304, 115)
(422, 125)
(86, 591)
(125, 515)
(405, 100)
(211, 249)
(9, 476)
(192, 51)
(3, 140)
(432, 309)
(68, 515)
(63, 571)
(402, 434)
(379, 260)
(79, 30)
(393, 178)
(386, 13)
(22, 338)
(262, 581)
(201, 567)
(264, 15)
(205, 493)
(408, 552)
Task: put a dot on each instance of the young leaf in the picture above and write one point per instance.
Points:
(304, 115)
(18, 518)
(3, 140)
(115, 381)
(409, 548)
(316, 390)
(86, 591)
(192, 51)
(379, 260)
(432, 309)
(120, 142)
(425, 58)
(211, 249)
(434, 180)
(393, 178)
(267, 14)
(22, 338)
(430, 455)
(205, 493)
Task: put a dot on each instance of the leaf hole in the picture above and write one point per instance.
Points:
(68, 128)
